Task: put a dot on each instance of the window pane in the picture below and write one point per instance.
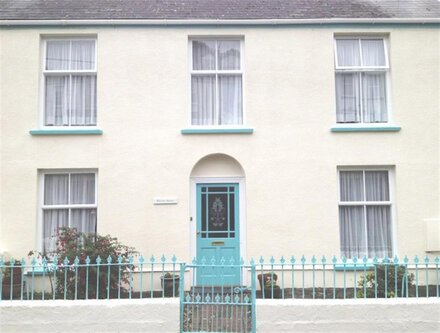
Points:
(379, 231)
(228, 55)
(348, 52)
(57, 101)
(56, 189)
(230, 100)
(374, 98)
(84, 220)
(217, 215)
(203, 100)
(82, 188)
(57, 55)
(352, 231)
(83, 54)
(347, 98)
(203, 55)
(351, 185)
(53, 220)
(373, 52)
(83, 100)
(377, 186)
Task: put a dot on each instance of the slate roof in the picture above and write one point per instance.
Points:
(215, 9)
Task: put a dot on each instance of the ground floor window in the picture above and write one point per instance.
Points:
(68, 200)
(365, 213)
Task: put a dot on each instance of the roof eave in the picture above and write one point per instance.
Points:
(216, 22)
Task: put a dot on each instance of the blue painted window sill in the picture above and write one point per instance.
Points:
(66, 131)
(365, 129)
(217, 130)
(351, 267)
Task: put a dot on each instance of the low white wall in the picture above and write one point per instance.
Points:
(152, 315)
(401, 315)
(273, 316)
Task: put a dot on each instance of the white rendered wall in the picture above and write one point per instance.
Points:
(290, 161)
(273, 316)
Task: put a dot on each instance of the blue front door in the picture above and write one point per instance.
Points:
(218, 239)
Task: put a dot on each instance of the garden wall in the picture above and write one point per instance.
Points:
(273, 316)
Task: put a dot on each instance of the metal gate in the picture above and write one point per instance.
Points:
(218, 307)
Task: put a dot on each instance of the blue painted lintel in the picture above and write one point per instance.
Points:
(66, 132)
(217, 131)
(366, 129)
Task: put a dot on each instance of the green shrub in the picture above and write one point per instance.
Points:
(111, 279)
(377, 278)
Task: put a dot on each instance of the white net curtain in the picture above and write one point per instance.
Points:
(216, 83)
(70, 83)
(65, 196)
(365, 214)
(361, 81)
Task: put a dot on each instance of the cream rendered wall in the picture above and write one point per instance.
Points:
(290, 161)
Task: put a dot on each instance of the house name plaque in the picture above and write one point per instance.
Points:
(165, 201)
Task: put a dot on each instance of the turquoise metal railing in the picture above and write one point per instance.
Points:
(285, 278)
(212, 303)
(89, 278)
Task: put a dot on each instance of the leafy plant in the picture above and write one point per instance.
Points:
(376, 279)
(8, 269)
(89, 265)
(169, 275)
(270, 283)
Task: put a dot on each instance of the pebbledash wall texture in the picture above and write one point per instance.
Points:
(285, 145)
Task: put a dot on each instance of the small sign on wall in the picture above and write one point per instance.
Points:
(165, 201)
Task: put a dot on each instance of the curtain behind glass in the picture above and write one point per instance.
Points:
(379, 231)
(53, 219)
(377, 186)
(347, 97)
(203, 55)
(348, 52)
(351, 185)
(83, 100)
(352, 231)
(228, 55)
(57, 55)
(57, 101)
(83, 220)
(82, 188)
(374, 98)
(373, 52)
(230, 100)
(83, 55)
(56, 189)
(203, 100)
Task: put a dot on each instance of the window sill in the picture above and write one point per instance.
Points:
(365, 128)
(237, 130)
(67, 131)
(352, 267)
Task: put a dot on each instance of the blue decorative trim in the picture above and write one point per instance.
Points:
(351, 267)
(366, 129)
(66, 132)
(217, 131)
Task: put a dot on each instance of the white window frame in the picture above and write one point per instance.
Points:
(391, 203)
(42, 207)
(45, 72)
(365, 69)
(216, 73)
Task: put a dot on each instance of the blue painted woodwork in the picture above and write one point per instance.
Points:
(217, 131)
(66, 131)
(218, 238)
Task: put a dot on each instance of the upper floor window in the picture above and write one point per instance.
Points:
(361, 80)
(216, 82)
(69, 82)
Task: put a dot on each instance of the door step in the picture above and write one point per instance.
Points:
(220, 290)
